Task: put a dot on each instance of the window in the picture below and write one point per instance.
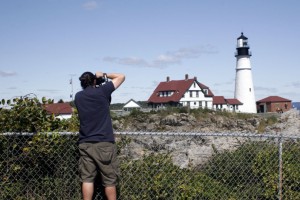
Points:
(197, 93)
(191, 93)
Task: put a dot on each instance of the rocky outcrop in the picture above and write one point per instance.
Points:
(194, 150)
(183, 122)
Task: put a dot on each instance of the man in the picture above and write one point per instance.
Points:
(96, 140)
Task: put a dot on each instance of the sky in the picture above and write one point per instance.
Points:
(46, 43)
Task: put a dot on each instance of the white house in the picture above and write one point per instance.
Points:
(186, 92)
(60, 110)
(189, 93)
(131, 105)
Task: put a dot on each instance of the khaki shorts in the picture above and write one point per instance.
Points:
(102, 157)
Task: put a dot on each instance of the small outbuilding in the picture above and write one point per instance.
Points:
(131, 105)
(60, 110)
(273, 104)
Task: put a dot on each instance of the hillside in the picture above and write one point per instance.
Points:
(206, 121)
(194, 151)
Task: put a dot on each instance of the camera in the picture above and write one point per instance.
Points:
(101, 80)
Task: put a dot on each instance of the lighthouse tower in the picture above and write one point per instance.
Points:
(244, 90)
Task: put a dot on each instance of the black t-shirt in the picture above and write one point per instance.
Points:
(94, 115)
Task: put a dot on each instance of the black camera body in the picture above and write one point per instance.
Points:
(101, 80)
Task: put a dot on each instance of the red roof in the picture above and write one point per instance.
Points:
(234, 102)
(221, 100)
(273, 99)
(179, 87)
(58, 108)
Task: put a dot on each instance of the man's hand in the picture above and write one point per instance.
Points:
(99, 74)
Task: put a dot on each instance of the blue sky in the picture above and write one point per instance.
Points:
(45, 43)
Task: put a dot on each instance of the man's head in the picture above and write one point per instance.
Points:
(87, 79)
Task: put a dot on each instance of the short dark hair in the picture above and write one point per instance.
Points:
(87, 79)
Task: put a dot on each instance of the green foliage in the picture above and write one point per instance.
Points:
(43, 165)
(243, 115)
(266, 122)
(137, 116)
(28, 115)
(252, 170)
(268, 167)
(156, 177)
(25, 115)
(235, 170)
(117, 106)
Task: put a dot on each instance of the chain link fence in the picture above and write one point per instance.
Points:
(158, 166)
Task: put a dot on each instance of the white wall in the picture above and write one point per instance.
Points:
(193, 101)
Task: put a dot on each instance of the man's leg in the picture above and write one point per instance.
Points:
(87, 190)
(111, 192)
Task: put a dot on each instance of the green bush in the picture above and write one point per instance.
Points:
(235, 170)
(156, 177)
(267, 166)
(266, 122)
(42, 165)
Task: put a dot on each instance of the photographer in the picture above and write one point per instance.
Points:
(96, 140)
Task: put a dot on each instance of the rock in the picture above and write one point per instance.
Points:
(196, 150)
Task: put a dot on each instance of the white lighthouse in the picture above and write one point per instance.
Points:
(244, 90)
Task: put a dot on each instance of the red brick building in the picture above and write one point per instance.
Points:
(273, 104)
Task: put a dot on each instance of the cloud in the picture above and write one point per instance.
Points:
(90, 5)
(294, 84)
(166, 59)
(49, 90)
(12, 88)
(7, 73)
(133, 61)
(266, 90)
(230, 82)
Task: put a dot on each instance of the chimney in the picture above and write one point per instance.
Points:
(186, 76)
(168, 78)
(195, 78)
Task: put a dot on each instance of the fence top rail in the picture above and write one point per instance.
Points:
(253, 135)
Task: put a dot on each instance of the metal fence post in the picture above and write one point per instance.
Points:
(280, 169)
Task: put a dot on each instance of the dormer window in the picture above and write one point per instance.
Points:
(165, 93)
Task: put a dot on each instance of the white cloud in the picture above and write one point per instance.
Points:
(230, 82)
(265, 89)
(49, 90)
(90, 5)
(295, 84)
(133, 61)
(166, 59)
(7, 73)
(12, 88)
